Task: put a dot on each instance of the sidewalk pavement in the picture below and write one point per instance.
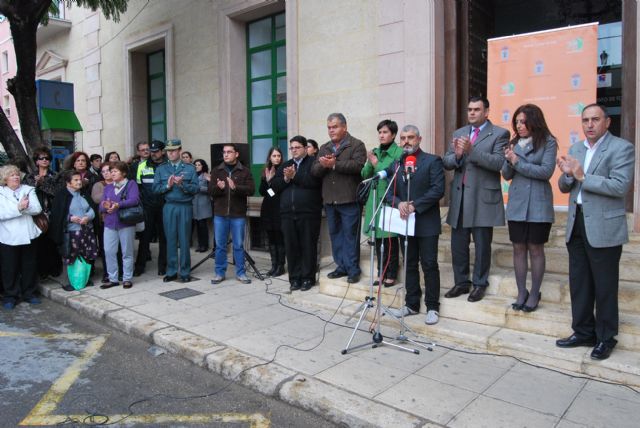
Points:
(280, 344)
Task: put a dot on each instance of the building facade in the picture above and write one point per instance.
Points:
(261, 71)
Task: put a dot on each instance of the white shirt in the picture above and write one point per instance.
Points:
(587, 160)
(17, 227)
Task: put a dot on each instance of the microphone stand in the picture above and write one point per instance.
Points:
(377, 338)
(402, 337)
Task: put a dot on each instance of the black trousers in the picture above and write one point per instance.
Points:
(202, 229)
(390, 254)
(19, 261)
(593, 278)
(423, 249)
(301, 246)
(49, 260)
(460, 241)
(153, 226)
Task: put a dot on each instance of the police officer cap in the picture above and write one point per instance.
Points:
(173, 145)
(156, 146)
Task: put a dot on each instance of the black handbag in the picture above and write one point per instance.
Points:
(130, 215)
(362, 192)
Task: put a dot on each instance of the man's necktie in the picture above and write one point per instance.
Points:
(474, 137)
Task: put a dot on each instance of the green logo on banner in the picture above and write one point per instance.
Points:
(576, 109)
(508, 88)
(575, 45)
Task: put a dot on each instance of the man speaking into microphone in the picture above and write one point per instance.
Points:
(421, 174)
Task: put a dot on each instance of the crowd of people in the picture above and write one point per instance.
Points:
(90, 203)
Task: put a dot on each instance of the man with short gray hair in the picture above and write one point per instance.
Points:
(418, 190)
(339, 163)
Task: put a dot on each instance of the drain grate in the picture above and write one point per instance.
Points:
(181, 293)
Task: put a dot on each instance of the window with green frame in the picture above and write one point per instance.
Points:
(156, 96)
(266, 88)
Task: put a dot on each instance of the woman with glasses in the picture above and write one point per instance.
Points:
(96, 195)
(120, 193)
(270, 212)
(44, 181)
(18, 205)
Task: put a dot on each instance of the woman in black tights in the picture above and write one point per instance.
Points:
(530, 163)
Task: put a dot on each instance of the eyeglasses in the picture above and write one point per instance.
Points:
(44, 158)
(296, 147)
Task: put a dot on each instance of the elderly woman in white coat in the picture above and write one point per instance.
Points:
(18, 205)
(529, 164)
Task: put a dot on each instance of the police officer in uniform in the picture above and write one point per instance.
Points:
(177, 182)
(152, 202)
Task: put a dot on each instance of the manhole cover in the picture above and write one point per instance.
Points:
(181, 293)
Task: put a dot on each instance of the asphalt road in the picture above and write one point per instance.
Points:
(59, 368)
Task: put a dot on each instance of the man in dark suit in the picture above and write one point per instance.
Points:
(476, 155)
(300, 213)
(426, 188)
(597, 173)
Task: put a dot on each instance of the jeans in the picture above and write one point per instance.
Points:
(222, 226)
(126, 238)
(344, 228)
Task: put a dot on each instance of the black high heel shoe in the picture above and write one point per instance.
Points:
(526, 308)
(518, 306)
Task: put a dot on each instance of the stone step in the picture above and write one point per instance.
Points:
(557, 261)
(536, 348)
(494, 310)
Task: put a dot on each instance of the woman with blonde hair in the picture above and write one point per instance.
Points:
(18, 204)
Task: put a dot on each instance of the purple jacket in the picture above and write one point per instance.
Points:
(111, 220)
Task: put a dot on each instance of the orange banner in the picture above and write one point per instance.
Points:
(554, 69)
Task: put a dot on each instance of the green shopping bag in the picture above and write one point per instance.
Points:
(79, 272)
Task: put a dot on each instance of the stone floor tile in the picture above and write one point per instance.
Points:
(536, 388)
(427, 398)
(362, 376)
(616, 391)
(473, 372)
(263, 343)
(486, 412)
(136, 298)
(599, 410)
(162, 308)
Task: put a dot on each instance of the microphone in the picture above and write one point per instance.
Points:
(377, 176)
(410, 164)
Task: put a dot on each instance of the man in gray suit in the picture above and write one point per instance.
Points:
(597, 173)
(476, 155)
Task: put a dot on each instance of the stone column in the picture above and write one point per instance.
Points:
(411, 67)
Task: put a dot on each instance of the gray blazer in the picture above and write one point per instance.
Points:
(606, 183)
(483, 206)
(530, 194)
(202, 201)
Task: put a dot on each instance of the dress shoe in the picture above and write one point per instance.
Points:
(185, 279)
(518, 306)
(336, 274)
(389, 282)
(127, 284)
(457, 290)
(109, 285)
(169, 278)
(353, 279)
(162, 272)
(574, 341)
(68, 287)
(306, 285)
(602, 351)
(295, 285)
(527, 308)
(33, 300)
(477, 293)
(105, 279)
(279, 271)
